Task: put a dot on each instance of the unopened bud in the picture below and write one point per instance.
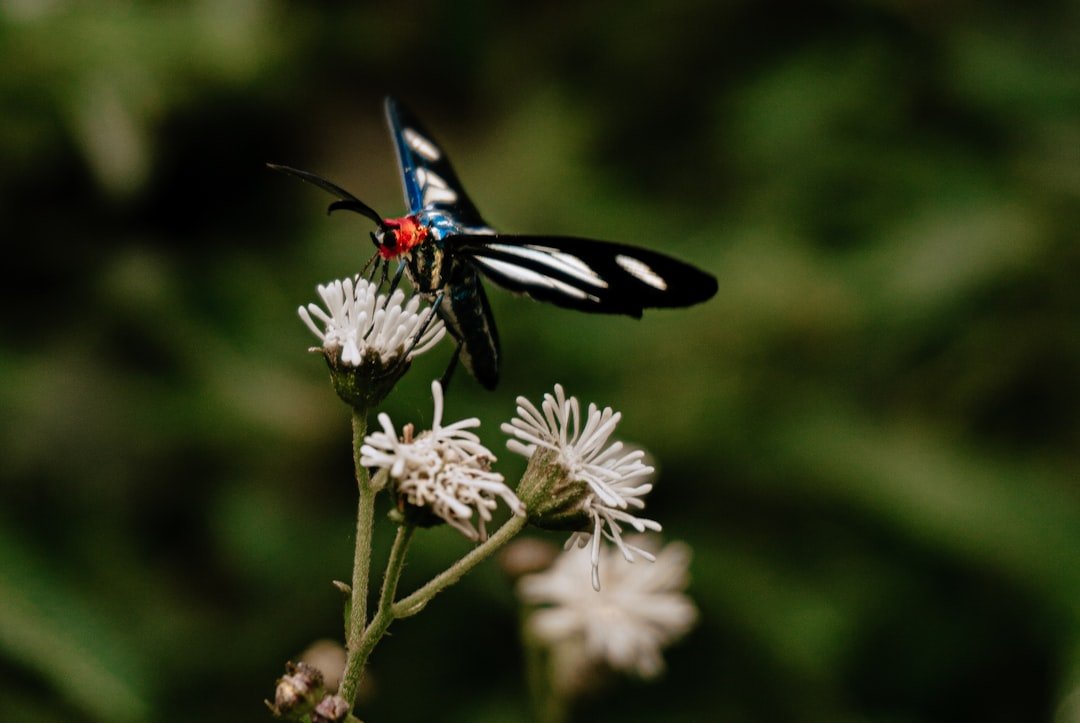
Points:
(297, 691)
(330, 709)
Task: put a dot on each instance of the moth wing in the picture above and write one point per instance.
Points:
(429, 181)
(583, 274)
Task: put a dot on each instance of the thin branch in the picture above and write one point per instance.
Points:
(416, 602)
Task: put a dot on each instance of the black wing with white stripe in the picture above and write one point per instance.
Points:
(577, 273)
(429, 180)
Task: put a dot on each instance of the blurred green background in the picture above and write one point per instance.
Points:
(870, 437)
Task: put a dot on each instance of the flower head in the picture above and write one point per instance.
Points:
(368, 338)
(445, 471)
(360, 322)
(639, 611)
(600, 484)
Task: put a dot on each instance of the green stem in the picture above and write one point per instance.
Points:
(416, 602)
(536, 673)
(354, 666)
(548, 702)
(365, 516)
(394, 566)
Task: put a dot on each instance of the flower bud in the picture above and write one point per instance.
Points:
(297, 691)
(330, 709)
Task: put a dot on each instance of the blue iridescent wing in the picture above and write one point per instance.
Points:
(429, 180)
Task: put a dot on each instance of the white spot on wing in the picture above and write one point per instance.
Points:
(434, 188)
(528, 277)
(641, 271)
(555, 260)
(421, 145)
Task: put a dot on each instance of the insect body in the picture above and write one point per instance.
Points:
(444, 246)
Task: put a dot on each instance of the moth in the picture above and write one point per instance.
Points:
(445, 248)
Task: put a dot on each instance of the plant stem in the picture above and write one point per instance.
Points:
(416, 602)
(354, 666)
(365, 516)
(549, 704)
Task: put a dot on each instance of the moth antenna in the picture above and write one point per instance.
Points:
(356, 207)
(348, 201)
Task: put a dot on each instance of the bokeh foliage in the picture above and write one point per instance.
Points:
(869, 437)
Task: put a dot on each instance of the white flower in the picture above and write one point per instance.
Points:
(640, 609)
(446, 470)
(616, 480)
(359, 321)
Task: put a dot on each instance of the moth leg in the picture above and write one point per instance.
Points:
(397, 278)
(449, 373)
(423, 327)
(373, 260)
(430, 317)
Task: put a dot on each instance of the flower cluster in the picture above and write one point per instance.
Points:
(578, 480)
(445, 470)
(639, 611)
(361, 324)
(613, 482)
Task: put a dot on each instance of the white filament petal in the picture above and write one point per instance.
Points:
(445, 469)
(358, 321)
(615, 480)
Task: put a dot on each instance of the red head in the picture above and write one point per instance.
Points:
(398, 236)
